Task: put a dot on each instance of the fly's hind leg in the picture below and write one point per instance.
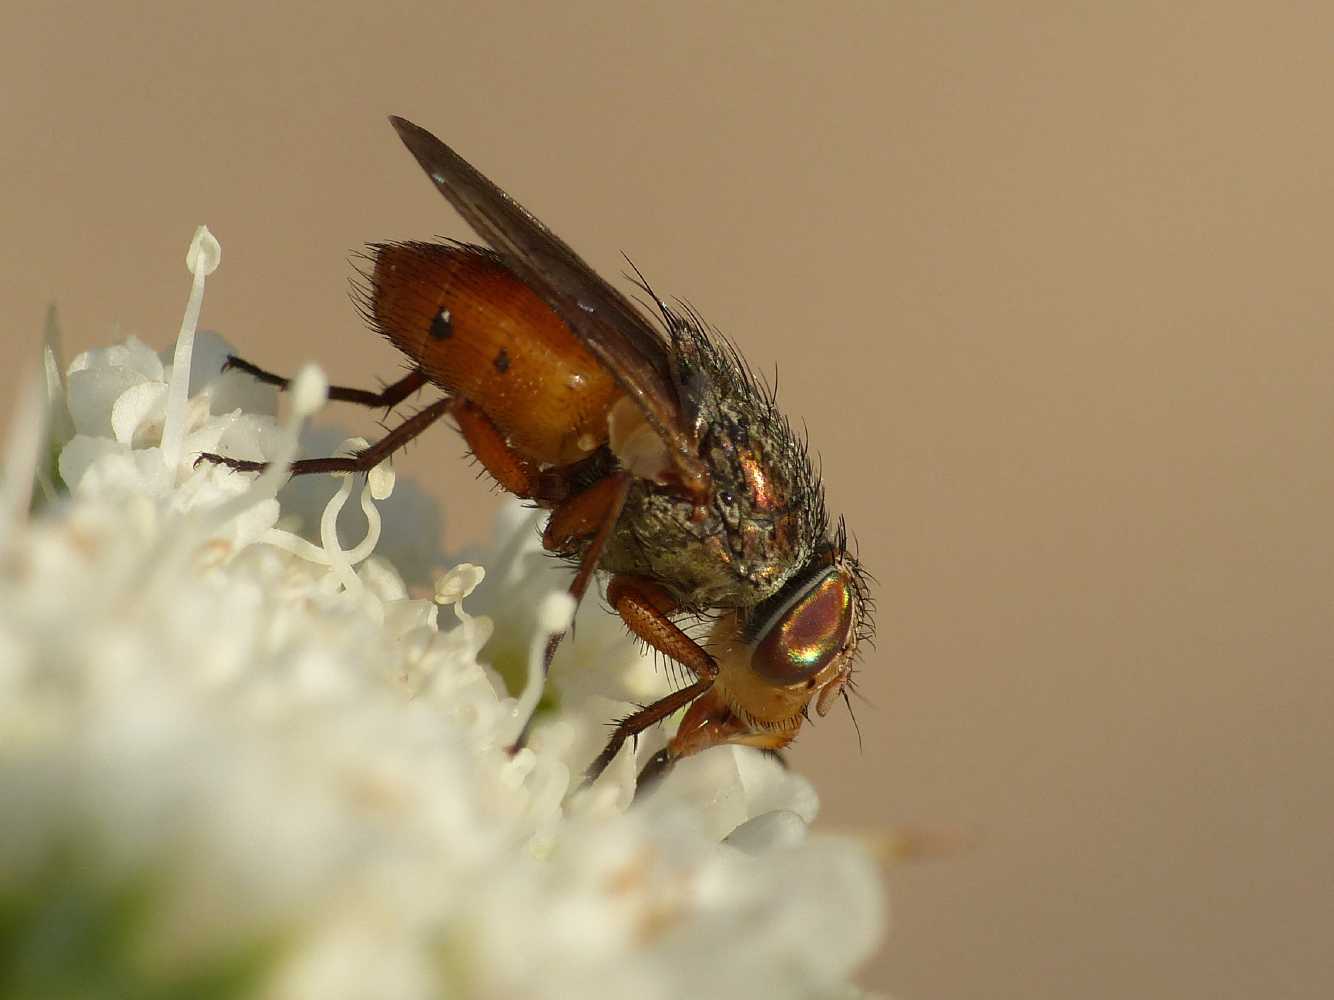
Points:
(362, 461)
(391, 395)
(514, 472)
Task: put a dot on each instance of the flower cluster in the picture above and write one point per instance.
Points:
(240, 756)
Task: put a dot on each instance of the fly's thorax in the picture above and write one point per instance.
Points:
(691, 551)
(763, 515)
(759, 497)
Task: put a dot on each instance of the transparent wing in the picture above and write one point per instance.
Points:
(617, 333)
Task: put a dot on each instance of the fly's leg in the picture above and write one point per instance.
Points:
(591, 514)
(390, 395)
(646, 609)
(582, 515)
(367, 458)
(602, 509)
(514, 472)
(362, 461)
(708, 723)
(633, 725)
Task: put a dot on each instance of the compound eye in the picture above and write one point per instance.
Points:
(806, 633)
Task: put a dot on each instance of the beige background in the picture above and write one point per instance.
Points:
(1051, 289)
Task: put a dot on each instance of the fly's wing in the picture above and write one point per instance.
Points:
(600, 316)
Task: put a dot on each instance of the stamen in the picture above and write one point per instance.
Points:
(203, 258)
(339, 564)
(458, 583)
(298, 546)
(554, 615)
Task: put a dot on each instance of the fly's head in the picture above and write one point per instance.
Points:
(798, 646)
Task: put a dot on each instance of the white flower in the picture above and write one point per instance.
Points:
(238, 761)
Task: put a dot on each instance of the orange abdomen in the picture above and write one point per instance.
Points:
(478, 332)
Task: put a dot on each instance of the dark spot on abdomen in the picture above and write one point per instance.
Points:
(502, 361)
(442, 325)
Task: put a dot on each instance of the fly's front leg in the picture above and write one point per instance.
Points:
(633, 725)
(646, 609)
(709, 723)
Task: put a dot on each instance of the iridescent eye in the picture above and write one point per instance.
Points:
(807, 631)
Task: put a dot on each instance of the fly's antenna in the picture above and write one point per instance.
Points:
(855, 724)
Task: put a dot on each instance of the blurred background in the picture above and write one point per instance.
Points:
(1050, 288)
